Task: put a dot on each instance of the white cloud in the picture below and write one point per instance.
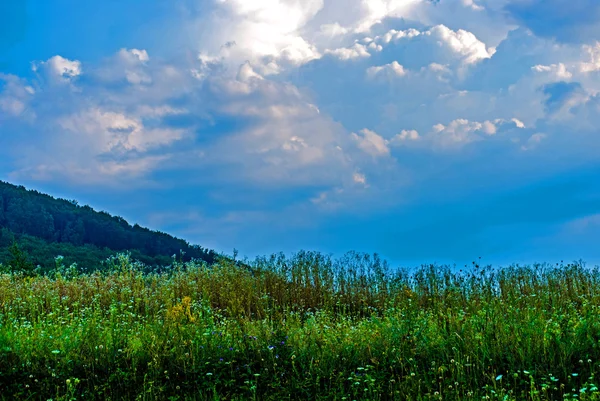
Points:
(246, 73)
(289, 141)
(558, 71)
(371, 143)
(359, 178)
(134, 56)
(473, 5)
(459, 132)
(15, 98)
(405, 135)
(389, 71)
(59, 68)
(518, 123)
(114, 132)
(461, 42)
(357, 50)
(594, 58)
(261, 29)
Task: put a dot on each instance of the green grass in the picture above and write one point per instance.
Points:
(301, 328)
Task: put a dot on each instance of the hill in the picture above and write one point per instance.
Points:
(45, 227)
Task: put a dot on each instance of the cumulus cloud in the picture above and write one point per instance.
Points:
(405, 135)
(461, 132)
(59, 69)
(260, 29)
(392, 70)
(287, 143)
(358, 50)
(372, 143)
(117, 132)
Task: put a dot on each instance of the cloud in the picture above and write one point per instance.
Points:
(371, 143)
(15, 97)
(260, 29)
(461, 42)
(117, 132)
(59, 69)
(460, 132)
(391, 70)
(593, 64)
(287, 141)
(405, 135)
(358, 50)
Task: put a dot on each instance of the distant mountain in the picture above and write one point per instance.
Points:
(46, 227)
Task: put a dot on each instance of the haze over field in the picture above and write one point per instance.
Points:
(422, 130)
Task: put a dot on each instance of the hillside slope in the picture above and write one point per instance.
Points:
(46, 227)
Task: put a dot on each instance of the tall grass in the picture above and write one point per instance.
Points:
(304, 327)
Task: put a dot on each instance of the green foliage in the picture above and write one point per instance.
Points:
(19, 262)
(47, 227)
(302, 328)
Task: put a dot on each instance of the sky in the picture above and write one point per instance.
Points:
(424, 131)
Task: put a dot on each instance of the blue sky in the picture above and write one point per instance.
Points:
(423, 131)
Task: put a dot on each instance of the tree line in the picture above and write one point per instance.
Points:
(46, 227)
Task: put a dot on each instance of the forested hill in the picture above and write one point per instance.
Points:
(46, 227)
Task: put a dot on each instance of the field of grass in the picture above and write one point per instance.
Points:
(301, 328)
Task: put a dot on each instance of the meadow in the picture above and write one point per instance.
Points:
(305, 327)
